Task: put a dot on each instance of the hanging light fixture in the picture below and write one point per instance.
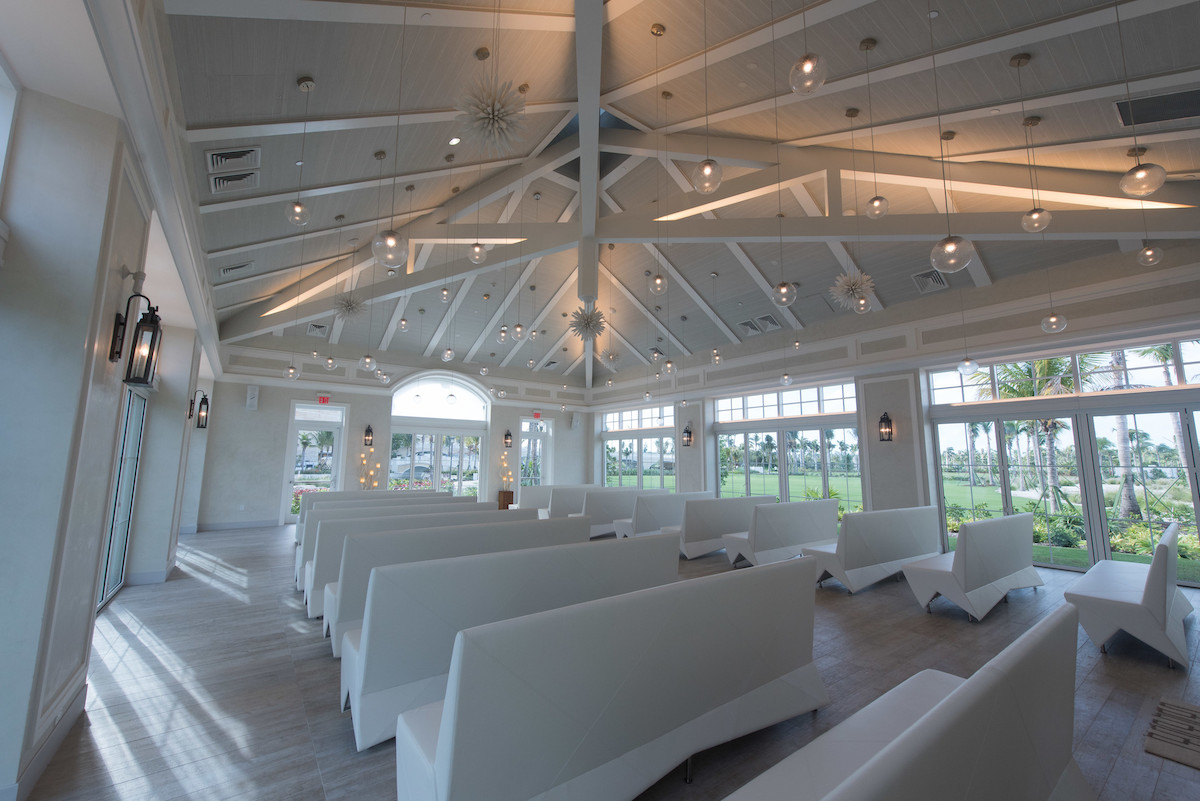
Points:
(507, 434)
(1149, 255)
(147, 338)
(968, 365)
(877, 206)
(502, 335)
(853, 289)
(686, 440)
(477, 254)
(402, 326)
(448, 354)
(658, 284)
(885, 428)
(716, 356)
(951, 253)
(1143, 178)
(201, 409)
(1037, 219)
(330, 363)
(785, 380)
(297, 212)
(706, 176)
(445, 294)
(483, 371)
(809, 71)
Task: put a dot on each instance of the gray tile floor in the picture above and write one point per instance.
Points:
(215, 685)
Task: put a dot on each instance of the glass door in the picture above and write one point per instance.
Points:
(805, 475)
(1147, 485)
(1043, 477)
(450, 465)
(969, 466)
(315, 454)
(112, 570)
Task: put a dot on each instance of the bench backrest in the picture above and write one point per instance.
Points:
(992, 548)
(788, 525)
(872, 538)
(1026, 696)
(414, 611)
(307, 499)
(396, 499)
(652, 512)
(566, 501)
(361, 552)
(709, 518)
(566, 691)
(327, 555)
(539, 497)
(606, 505)
(1160, 591)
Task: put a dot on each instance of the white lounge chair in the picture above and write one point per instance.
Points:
(779, 531)
(874, 545)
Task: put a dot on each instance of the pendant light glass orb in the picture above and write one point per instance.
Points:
(1143, 180)
(808, 74)
(403, 325)
(477, 254)
(330, 363)
(297, 214)
(451, 399)
(533, 335)
(785, 380)
(784, 293)
(483, 371)
(291, 373)
(968, 366)
(608, 383)
(951, 254)
(448, 354)
(877, 207)
(862, 305)
(658, 284)
(1036, 220)
(1149, 255)
(658, 376)
(518, 332)
(529, 364)
(646, 395)
(669, 367)
(706, 176)
(445, 294)
(367, 363)
(716, 356)
(389, 248)
(502, 336)
(385, 379)
(315, 355)
(796, 345)
(1052, 323)
(500, 393)
(683, 403)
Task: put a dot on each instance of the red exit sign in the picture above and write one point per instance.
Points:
(322, 399)
(537, 415)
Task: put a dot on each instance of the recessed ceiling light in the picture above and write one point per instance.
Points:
(454, 140)
(933, 13)
(995, 111)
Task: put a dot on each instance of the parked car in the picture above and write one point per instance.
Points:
(416, 473)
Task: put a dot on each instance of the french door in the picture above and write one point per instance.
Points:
(116, 542)
(313, 462)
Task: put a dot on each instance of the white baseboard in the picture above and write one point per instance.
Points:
(187, 529)
(146, 577)
(272, 523)
(33, 771)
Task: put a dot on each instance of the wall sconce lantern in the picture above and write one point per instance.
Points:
(507, 439)
(885, 428)
(201, 410)
(687, 436)
(368, 437)
(147, 337)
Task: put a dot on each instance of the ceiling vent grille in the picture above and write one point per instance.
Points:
(930, 281)
(318, 330)
(236, 268)
(749, 328)
(233, 182)
(240, 159)
(767, 323)
(550, 364)
(1163, 108)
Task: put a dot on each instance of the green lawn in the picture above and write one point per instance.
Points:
(848, 488)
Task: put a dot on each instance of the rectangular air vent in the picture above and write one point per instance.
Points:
(929, 281)
(550, 364)
(767, 323)
(749, 328)
(655, 353)
(232, 182)
(236, 268)
(239, 159)
(1163, 108)
(318, 330)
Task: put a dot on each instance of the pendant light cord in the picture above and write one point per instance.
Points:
(938, 106)
(778, 144)
(1128, 95)
(399, 107)
(704, 49)
(871, 123)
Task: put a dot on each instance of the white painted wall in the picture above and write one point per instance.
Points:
(189, 513)
(895, 473)
(74, 221)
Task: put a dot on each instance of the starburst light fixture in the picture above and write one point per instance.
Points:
(587, 324)
(348, 305)
(853, 291)
(609, 359)
(494, 112)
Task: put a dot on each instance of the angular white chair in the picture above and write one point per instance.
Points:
(992, 557)
(1141, 599)
(779, 531)
(652, 512)
(874, 545)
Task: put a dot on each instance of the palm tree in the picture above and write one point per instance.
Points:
(1165, 356)
(972, 434)
(305, 441)
(324, 444)
(986, 427)
(1128, 508)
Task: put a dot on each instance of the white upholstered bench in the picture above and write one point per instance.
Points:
(346, 600)
(400, 657)
(652, 512)
(1144, 600)
(705, 521)
(1003, 734)
(874, 545)
(600, 699)
(779, 530)
(991, 557)
(603, 506)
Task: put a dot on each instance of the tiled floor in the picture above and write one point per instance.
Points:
(215, 685)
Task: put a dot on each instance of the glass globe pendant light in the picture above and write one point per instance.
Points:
(402, 326)
(784, 293)
(862, 305)
(1144, 178)
(658, 285)
(518, 332)
(477, 254)
(1053, 323)
(448, 354)
(291, 373)
(330, 363)
(785, 380)
(706, 176)
(951, 254)
(1036, 220)
(668, 367)
(389, 248)
(367, 363)
(483, 371)
(808, 73)
(968, 366)
(502, 335)
(877, 207)
(1149, 255)
(445, 294)
(297, 213)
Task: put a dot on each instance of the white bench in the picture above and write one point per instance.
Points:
(400, 657)
(874, 545)
(779, 530)
(652, 512)
(1141, 599)
(538, 497)
(600, 699)
(565, 501)
(307, 499)
(604, 506)
(706, 521)
(992, 557)
(1001, 735)
(346, 600)
(306, 533)
(327, 555)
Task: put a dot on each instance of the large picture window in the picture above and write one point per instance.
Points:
(639, 448)
(438, 427)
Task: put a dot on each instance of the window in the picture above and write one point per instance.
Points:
(646, 417)
(638, 450)
(827, 399)
(439, 423)
(534, 468)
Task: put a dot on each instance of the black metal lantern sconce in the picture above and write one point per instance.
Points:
(687, 436)
(200, 411)
(507, 438)
(368, 436)
(147, 336)
(885, 428)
